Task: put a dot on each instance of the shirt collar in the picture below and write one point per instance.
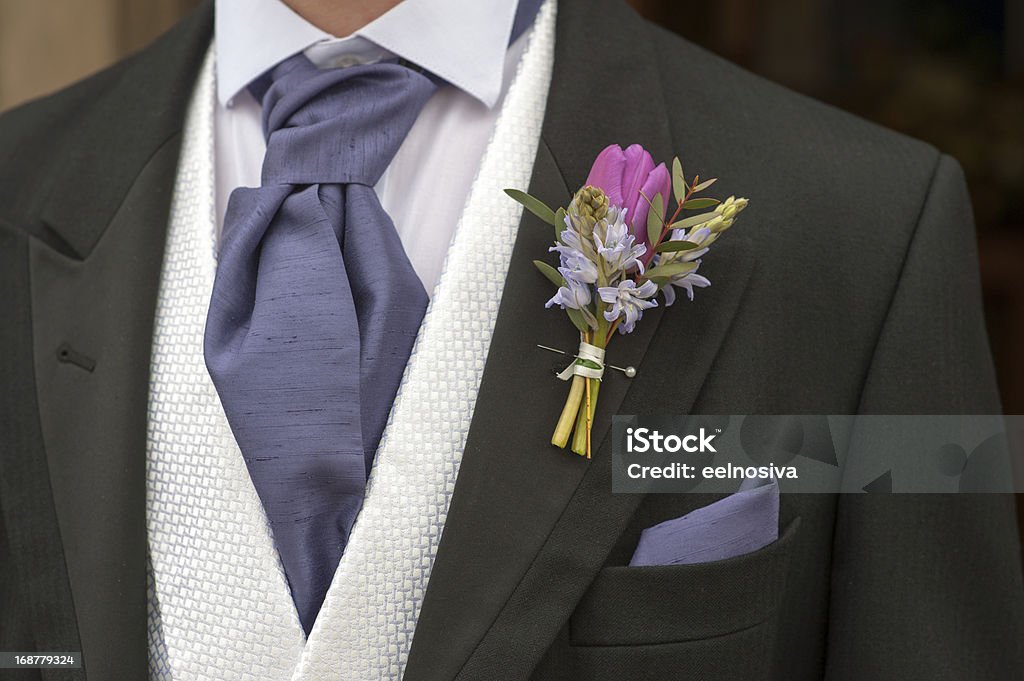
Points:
(461, 41)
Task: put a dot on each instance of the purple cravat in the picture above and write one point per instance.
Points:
(315, 306)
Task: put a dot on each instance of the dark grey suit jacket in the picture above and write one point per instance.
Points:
(849, 286)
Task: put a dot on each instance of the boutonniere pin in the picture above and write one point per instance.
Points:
(618, 246)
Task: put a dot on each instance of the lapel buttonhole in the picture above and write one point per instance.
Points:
(68, 355)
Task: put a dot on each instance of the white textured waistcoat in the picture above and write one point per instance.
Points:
(219, 603)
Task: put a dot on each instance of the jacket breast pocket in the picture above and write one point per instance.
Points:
(645, 621)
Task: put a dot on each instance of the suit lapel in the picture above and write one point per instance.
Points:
(529, 525)
(95, 267)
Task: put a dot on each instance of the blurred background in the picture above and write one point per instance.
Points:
(950, 72)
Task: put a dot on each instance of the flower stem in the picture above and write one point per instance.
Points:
(569, 412)
(585, 420)
(582, 441)
(589, 407)
(611, 330)
(666, 226)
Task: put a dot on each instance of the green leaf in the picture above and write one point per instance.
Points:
(550, 272)
(693, 221)
(576, 317)
(676, 246)
(655, 220)
(559, 224)
(534, 205)
(697, 204)
(663, 273)
(678, 180)
(590, 364)
(704, 185)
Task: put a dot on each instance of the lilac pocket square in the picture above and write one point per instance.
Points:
(740, 523)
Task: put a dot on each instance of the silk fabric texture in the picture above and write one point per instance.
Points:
(315, 306)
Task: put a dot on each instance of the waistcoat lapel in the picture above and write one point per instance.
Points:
(220, 593)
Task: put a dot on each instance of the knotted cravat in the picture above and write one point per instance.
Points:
(315, 306)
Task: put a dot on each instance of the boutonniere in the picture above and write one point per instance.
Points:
(618, 246)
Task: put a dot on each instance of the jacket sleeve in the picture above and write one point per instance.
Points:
(928, 586)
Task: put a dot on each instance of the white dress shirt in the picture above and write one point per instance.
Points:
(425, 187)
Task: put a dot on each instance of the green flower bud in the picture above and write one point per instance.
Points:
(590, 202)
(731, 207)
(582, 224)
(717, 224)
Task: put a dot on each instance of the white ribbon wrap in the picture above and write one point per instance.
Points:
(588, 352)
